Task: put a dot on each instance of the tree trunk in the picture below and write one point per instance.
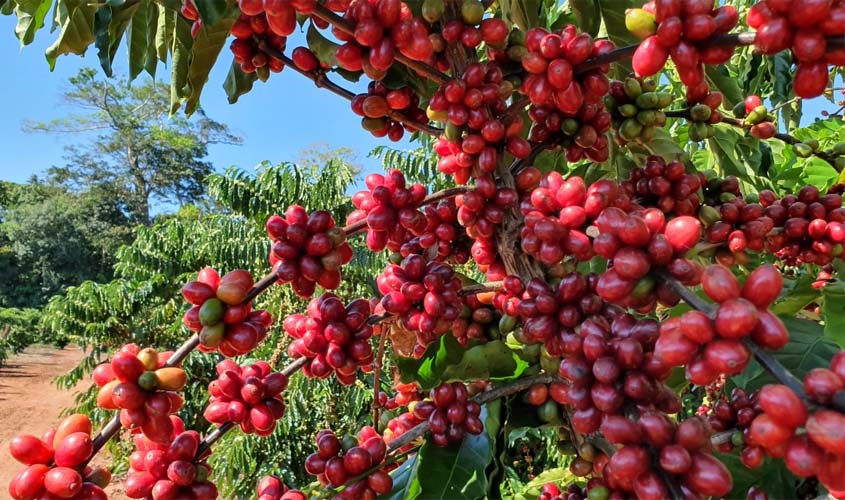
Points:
(141, 190)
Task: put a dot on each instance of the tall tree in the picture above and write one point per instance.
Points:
(138, 152)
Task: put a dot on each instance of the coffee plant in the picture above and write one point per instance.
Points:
(668, 310)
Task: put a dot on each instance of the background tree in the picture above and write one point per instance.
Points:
(139, 154)
(51, 238)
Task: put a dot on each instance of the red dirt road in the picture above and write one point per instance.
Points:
(31, 403)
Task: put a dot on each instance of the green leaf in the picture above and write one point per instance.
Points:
(76, 19)
(808, 348)
(493, 360)
(613, 19)
(795, 296)
(406, 484)
(164, 32)
(833, 309)
(773, 476)
(31, 15)
(321, 46)
(212, 11)
(181, 54)
(204, 53)
(237, 82)
(121, 15)
(727, 85)
(151, 57)
(456, 472)
(137, 41)
(523, 14)
(102, 40)
(428, 369)
(587, 15)
(560, 475)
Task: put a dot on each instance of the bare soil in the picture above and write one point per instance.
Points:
(31, 403)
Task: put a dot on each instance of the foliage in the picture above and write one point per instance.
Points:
(51, 238)
(142, 304)
(140, 156)
(18, 329)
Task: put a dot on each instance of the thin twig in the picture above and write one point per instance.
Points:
(318, 76)
(483, 398)
(377, 378)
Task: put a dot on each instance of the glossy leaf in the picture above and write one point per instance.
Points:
(808, 348)
(428, 370)
(456, 472)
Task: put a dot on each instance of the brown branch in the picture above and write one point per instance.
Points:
(491, 286)
(483, 398)
(347, 27)
(771, 365)
(318, 76)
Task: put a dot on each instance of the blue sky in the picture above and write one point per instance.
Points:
(276, 120)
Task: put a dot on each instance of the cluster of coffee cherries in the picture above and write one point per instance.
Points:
(555, 213)
(813, 226)
(754, 113)
(391, 209)
(57, 464)
(703, 111)
(335, 338)
(221, 315)
(260, 23)
(802, 26)
(376, 105)
(382, 28)
(473, 107)
(450, 414)
(423, 294)
(273, 488)
(170, 471)
(807, 228)
(475, 322)
(443, 239)
(308, 250)
(638, 243)
(636, 108)
(563, 106)
(611, 365)
(471, 29)
(665, 185)
(337, 461)
(736, 414)
(678, 28)
(250, 396)
(483, 208)
(712, 347)
(143, 387)
(820, 451)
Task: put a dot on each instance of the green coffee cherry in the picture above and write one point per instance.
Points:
(802, 150)
(628, 110)
(700, 113)
(632, 88)
(647, 100)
